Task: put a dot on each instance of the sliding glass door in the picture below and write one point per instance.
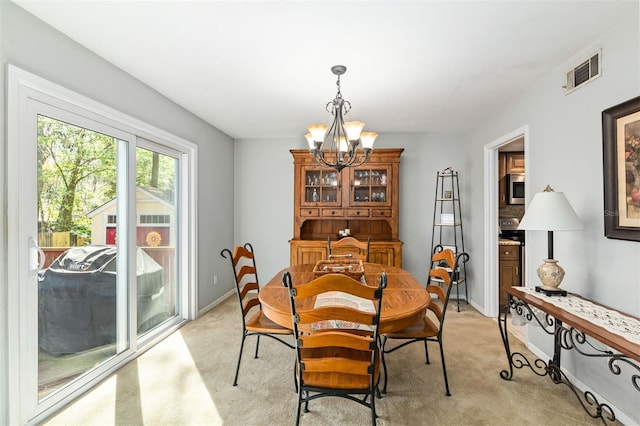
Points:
(82, 288)
(97, 228)
(157, 241)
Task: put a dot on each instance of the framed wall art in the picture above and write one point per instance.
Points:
(621, 149)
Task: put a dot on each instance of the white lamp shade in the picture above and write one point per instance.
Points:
(310, 140)
(353, 129)
(318, 131)
(367, 139)
(550, 211)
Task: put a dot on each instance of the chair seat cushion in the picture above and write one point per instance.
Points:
(424, 327)
(261, 324)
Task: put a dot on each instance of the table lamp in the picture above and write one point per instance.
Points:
(550, 211)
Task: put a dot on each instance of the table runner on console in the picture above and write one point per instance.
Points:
(622, 325)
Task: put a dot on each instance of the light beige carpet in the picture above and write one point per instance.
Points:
(187, 380)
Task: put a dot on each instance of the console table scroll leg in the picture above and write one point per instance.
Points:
(555, 363)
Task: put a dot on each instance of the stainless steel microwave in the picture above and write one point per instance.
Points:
(515, 188)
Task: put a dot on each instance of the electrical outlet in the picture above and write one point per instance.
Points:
(215, 280)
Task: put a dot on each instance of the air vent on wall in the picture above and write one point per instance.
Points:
(584, 72)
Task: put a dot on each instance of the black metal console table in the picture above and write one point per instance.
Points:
(570, 332)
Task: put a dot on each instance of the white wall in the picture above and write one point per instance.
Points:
(29, 44)
(566, 152)
(263, 203)
(424, 155)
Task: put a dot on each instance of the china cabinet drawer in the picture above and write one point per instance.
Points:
(310, 212)
(332, 213)
(381, 213)
(357, 212)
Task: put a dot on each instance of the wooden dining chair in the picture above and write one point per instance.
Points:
(335, 323)
(349, 247)
(254, 322)
(431, 326)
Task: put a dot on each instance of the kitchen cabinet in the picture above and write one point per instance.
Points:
(509, 270)
(502, 179)
(363, 199)
(515, 162)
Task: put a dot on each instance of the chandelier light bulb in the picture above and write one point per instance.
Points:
(343, 145)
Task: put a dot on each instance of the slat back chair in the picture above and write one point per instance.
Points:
(254, 322)
(342, 362)
(349, 247)
(431, 326)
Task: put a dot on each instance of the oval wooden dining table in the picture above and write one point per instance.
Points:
(404, 299)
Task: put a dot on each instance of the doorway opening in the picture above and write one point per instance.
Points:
(496, 207)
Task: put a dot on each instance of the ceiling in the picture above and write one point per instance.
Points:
(262, 69)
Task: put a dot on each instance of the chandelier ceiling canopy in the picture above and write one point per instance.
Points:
(337, 146)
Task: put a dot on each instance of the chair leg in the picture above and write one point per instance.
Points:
(257, 346)
(373, 410)
(299, 404)
(384, 363)
(426, 351)
(444, 369)
(235, 380)
(306, 402)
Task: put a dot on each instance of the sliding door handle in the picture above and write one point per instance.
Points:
(36, 257)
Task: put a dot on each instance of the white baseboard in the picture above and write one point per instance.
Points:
(477, 307)
(215, 303)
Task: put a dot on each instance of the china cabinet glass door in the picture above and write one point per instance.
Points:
(321, 186)
(369, 186)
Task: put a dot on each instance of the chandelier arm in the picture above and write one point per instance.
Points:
(319, 156)
(330, 107)
(362, 160)
(346, 105)
(337, 166)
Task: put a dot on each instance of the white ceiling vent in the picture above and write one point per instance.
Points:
(584, 72)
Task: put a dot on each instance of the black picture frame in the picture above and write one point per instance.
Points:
(621, 167)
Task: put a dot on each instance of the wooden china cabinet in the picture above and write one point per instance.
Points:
(363, 199)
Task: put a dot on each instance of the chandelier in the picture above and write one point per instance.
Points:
(338, 147)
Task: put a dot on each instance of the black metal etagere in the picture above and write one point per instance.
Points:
(447, 224)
